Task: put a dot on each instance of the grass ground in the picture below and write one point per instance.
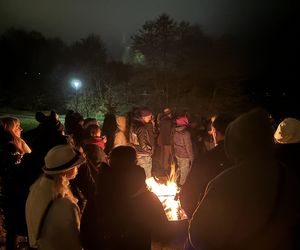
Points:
(27, 118)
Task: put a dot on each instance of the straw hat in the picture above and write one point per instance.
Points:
(61, 158)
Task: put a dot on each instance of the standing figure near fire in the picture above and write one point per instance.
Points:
(182, 148)
(140, 139)
(207, 167)
(254, 204)
(164, 139)
(287, 138)
(52, 214)
(123, 214)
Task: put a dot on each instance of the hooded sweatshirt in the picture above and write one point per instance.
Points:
(253, 204)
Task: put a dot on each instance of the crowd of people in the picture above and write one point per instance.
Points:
(80, 185)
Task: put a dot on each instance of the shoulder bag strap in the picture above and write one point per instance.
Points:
(43, 219)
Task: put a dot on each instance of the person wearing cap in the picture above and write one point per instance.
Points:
(140, 139)
(52, 215)
(182, 147)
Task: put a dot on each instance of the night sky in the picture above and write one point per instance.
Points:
(116, 20)
(266, 29)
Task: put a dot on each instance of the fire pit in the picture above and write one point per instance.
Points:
(167, 193)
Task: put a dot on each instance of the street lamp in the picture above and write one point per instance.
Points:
(76, 84)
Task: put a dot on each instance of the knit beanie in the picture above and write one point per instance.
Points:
(182, 121)
(288, 131)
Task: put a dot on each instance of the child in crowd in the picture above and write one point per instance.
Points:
(93, 133)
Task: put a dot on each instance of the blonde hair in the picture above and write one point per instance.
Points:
(9, 123)
(62, 187)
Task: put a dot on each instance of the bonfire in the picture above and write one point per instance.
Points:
(167, 192)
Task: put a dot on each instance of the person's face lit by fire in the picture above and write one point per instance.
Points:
(16, 130)
(147, 118)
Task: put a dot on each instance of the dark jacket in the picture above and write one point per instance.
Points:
(83, 185)
(204, 169)
(289, 155)
(140, 139)
(182, 143)
(165, 129)
(123, 214)
(252, 205)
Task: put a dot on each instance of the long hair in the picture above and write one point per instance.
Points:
(62, 187)
(9, 123)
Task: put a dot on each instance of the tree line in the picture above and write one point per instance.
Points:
(168, 63)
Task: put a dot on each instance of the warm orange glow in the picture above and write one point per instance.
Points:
(166, 193)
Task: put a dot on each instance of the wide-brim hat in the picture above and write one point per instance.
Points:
(61, 158)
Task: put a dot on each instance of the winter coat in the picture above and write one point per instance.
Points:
(10, 166)
(289, 155)
(95, 156)
(60, 228)
(204, 169)
(95, 140)
(165, 129)
(252, 205)
(83, 185)
(182, 143)
(123, 214)
(140, 139)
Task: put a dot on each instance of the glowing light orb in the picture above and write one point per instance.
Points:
(76, 83)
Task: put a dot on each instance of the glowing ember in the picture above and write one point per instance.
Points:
(166, 193)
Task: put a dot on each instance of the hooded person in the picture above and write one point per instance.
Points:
(252, 205)
(287, 138)
(52, 215)
(123, 213)
(288, 131)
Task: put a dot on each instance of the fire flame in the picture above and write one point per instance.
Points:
(167, 194)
